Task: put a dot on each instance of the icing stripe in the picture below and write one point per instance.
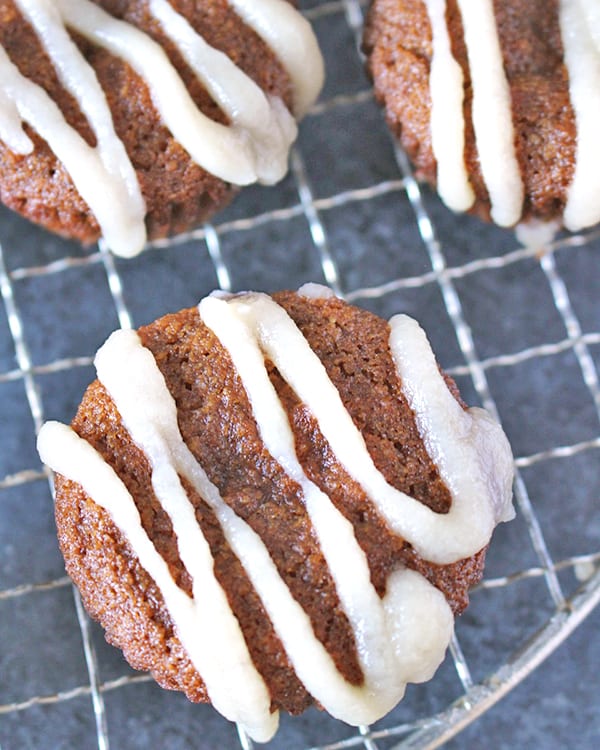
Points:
(492, 114)
(447, 121)
(468, 447)
(580, 31)
(291, 38)
(254, 147)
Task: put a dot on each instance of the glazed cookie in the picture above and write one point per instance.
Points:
(141, 118)
(496, 102)
(275, 502)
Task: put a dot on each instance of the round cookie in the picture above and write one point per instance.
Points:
(247, 500)
(141, 118)
(496, 103)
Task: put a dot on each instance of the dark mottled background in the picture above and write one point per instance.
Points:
(519, 330)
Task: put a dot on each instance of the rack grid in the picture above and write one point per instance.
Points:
(509, 323)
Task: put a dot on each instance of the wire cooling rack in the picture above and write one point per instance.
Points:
(518, 328)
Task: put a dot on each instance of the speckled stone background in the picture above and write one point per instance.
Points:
(533, 320)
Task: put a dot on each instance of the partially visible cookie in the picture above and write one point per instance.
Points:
(497, 103)
(136, 118)
(274, 502)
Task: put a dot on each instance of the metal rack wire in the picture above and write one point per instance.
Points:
(563, 611)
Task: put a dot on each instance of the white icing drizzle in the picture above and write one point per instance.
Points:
(253, 147)
(11, 130)
(492, 114)
(580, 31)
(400, 638)
(468, 447)
(447, 121)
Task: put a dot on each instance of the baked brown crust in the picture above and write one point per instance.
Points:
(178, 193)
(216, 422)
(398, 45)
